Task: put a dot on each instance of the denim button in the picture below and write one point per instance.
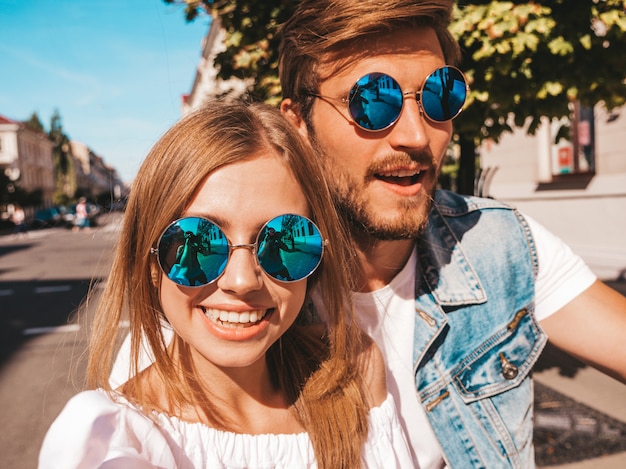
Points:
(509, 370)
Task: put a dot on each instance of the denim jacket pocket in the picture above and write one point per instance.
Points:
(503, 361)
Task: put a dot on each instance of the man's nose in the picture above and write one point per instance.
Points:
(410, 131)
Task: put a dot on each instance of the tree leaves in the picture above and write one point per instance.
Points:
(523, 59)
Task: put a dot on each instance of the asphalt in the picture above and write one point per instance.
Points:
(580, 413)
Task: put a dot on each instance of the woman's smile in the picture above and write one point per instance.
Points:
(233, 318)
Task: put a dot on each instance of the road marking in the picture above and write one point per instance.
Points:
(51, 329)
(6, 292)
(53, 289)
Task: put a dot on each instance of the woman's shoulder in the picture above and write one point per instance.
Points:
(88, 412)
(101, 427)
(69, 436)
(90, 404)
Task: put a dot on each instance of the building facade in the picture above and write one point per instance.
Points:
(26, 158)
(93, 177)
(206, 84)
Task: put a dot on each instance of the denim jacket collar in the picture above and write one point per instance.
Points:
(445, 268)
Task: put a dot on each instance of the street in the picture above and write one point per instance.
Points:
(43, 280)
(580, 415)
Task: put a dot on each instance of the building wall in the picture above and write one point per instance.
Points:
(35, 161)
(206, 84)
(9, 160)
(93, 176)
(587, 213)
(26, 157)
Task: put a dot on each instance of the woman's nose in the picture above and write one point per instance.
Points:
(242, 273)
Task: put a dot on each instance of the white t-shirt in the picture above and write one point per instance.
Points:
(388, 316)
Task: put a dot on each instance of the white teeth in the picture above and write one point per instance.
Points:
(232, 318)
(400, 173)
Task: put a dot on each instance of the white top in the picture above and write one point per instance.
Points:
(388, 316)
(94, 431)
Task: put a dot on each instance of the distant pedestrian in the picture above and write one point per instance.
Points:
(18, 217)
(82, 215)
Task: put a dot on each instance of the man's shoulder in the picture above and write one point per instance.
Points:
(463, 213)
(450, 203)
(475, 223)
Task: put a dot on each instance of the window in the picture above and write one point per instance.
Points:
(576, 154)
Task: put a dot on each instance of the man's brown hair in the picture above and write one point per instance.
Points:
(329, 31)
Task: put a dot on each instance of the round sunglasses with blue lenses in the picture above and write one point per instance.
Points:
(376, 99)
(194, 251)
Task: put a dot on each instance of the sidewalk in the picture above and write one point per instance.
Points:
(580, 413)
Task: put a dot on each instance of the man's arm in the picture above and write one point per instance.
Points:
(592, 328)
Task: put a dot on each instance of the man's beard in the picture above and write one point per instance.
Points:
(353, 206)
(363, 223)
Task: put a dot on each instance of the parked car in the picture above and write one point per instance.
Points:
(46, 218)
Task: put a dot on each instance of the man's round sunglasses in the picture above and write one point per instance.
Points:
(194, 251)
(376, 99)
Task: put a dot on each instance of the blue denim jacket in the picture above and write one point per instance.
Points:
(476, 338)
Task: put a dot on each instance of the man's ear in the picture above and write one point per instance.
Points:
(291, 111)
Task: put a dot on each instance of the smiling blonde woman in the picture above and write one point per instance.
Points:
(246, 380)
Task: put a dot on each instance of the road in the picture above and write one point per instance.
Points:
(580, 415)
(43, 280)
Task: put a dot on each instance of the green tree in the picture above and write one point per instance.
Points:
(251, 42)
(35, 123)
(61, 157)
(523, 60)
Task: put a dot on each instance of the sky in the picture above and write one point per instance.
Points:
(115, 70)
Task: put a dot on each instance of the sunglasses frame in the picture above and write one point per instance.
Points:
(253, 247)
(418, 97)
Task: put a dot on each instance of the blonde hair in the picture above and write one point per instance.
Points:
(327, 31)
(317, 374)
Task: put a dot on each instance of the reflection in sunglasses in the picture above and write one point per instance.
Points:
(376, 99)
(194, 251)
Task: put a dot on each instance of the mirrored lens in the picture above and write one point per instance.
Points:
(375, 101)
(443, 94)
(193, 251)
(289, 247)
